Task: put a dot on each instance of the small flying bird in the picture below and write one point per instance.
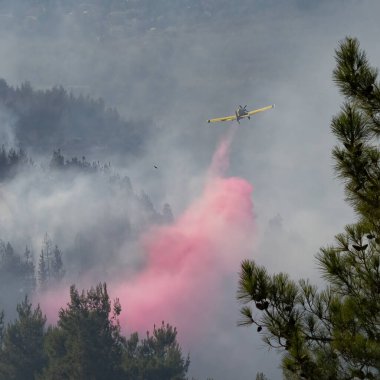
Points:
(156, 167)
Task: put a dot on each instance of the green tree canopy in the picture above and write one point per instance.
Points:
(333, 333)
(86, 343)
(22, 356)
(157, 357)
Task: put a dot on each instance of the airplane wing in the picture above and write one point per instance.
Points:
(259, 110)
(226, 118)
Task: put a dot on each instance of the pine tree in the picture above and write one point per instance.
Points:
(157, 357)
(29, 278)
(86, 344)
(50, 265)
(47, 252)
(333, 333)
(42, 271)
(22, 356)
(57, 271)
(10, 260)
(57, 161)
(16, 272)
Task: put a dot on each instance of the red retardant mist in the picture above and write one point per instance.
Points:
(189, 261)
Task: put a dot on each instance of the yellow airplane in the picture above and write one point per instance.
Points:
(240, 113)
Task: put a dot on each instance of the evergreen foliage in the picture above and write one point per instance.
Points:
(333, 333)
(86, 344)
(11, 160)
(22, 355)
(50, 264)
(56, 118)
(15, 270)
(58, 162)
(157, 357)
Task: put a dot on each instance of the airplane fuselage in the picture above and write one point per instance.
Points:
(240, 113)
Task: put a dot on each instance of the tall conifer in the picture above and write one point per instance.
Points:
(333, 333)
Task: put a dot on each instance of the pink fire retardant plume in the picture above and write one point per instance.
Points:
(189, 260)
(221, 159)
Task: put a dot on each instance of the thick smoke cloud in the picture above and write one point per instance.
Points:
(94, 218)
(187, 263)
(170, 68)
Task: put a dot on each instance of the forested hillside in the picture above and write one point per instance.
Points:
(43, 120)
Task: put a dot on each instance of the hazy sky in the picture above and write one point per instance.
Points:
(175, 70)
